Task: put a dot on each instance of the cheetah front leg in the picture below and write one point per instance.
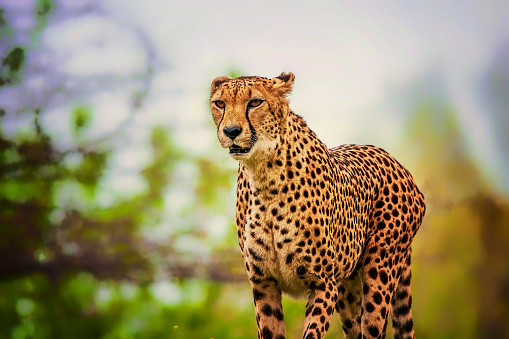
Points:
(268, 308)
(319, 309)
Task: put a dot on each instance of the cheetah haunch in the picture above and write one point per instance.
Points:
(334, 224)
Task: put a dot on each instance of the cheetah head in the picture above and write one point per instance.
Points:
(250, 114)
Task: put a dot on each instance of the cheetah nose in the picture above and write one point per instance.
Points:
(232, 132)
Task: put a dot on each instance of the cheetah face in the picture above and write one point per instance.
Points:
(250, 114)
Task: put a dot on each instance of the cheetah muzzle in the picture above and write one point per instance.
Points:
(334, 225)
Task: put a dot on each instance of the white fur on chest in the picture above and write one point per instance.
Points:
(274, 258)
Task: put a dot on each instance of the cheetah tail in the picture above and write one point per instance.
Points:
(402, 323)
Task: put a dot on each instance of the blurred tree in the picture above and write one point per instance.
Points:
(494, 90)
(493, 271)
(460, 270)
(71, 269)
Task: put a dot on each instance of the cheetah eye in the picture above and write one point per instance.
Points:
(219, 103)
(254, 103)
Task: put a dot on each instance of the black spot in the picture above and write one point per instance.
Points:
(260, 242)
(373, 331)
(289, 258)
(301, 270)
(267, 310)
(373, 273)
(379, 204)
(402, 310)
(266, 333)
(383, 277)
(317, 311)
(330, 310)
(321, 287)
(308, 310)
(377, 297)
(402, 295)
(278, 314)
(408, 326)
(350, 298)
(369, 307)
(254, 254)
(257, 269)
(257, 295)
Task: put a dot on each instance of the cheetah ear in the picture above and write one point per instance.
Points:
(217, 82)
(283, 82)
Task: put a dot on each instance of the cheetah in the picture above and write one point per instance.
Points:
(335, 225)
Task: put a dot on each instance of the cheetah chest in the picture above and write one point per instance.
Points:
(272, 248)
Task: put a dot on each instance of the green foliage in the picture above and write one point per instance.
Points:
(235, 73)
(82, 118)
(12, 64)
(43, 7)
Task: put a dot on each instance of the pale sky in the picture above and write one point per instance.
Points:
(352, 61)
(349, 58)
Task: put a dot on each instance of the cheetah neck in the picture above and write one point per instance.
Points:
(295, 150)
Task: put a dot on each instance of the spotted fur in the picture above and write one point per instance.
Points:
(335, 225)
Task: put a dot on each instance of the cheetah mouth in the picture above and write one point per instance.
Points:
(234, 149)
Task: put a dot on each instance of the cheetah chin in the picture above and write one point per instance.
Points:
(234, 149)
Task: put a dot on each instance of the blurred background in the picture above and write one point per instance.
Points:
(117, 202)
